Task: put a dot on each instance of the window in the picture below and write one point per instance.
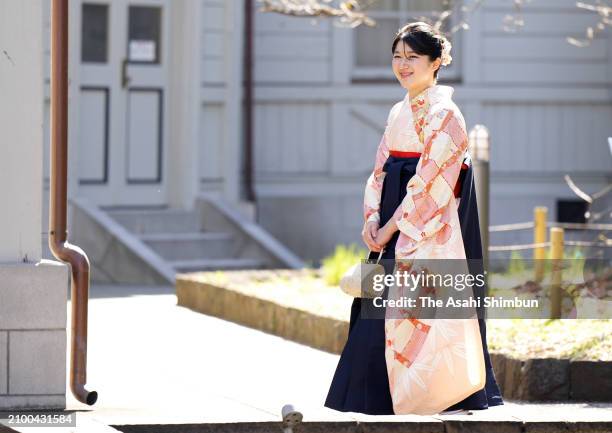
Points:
(372, 45)
(94, 33)
(144, 34)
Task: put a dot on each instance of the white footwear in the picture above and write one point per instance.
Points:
(456, 412)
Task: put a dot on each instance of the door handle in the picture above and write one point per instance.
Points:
(125, 78)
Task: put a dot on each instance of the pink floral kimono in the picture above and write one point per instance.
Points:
(431, 363)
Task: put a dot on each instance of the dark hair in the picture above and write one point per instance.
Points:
(423, 39)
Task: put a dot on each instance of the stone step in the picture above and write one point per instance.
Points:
(195, 265)
(187, 245)
(141, 221)
(185, 236)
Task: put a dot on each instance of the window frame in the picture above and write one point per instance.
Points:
(450, 73)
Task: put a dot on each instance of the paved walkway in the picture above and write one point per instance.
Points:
(153, 362)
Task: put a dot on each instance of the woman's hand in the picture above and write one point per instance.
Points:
(385, 234)
(369, 232)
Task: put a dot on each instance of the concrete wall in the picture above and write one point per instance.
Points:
(32, 291)
(21, 117)
(220, 137)
(33, 335)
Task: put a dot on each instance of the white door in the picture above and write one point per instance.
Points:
(122, 110)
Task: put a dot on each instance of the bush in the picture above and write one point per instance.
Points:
(343, 257)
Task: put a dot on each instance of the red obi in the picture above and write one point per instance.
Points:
(400, 154)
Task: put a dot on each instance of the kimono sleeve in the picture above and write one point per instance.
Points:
(374, 184)
(424, 211)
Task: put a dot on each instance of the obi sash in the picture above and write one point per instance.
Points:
(400, 164)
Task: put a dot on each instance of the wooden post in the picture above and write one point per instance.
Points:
(539, 236)
(556, 257)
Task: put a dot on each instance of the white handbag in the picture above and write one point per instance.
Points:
(358, 280)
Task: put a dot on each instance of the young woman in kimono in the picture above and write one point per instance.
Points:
(420, 198)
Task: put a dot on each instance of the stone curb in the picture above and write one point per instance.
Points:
(296, 325)
(538, 379)
(446, 426)
(550, 379)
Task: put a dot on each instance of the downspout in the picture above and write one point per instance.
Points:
(61, 249)
(248, 99)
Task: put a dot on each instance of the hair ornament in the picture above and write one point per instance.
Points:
(446, 48)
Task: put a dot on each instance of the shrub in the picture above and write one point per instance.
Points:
(343, 257)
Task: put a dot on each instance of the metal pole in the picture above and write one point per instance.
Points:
(248, 100)
(479, 149)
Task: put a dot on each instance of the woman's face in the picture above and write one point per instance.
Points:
(413, 71)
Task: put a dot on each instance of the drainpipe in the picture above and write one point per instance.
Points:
(248, 99)
(61, 249)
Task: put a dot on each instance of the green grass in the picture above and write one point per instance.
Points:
(546, 338)
(518, 265)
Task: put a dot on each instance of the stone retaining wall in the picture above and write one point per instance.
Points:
(550, 379)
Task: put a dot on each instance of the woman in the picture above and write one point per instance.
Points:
(419, 198)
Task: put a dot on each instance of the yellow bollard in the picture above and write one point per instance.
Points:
(556, 257)
(539, 236)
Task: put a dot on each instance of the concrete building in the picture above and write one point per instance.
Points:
(157, 118)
